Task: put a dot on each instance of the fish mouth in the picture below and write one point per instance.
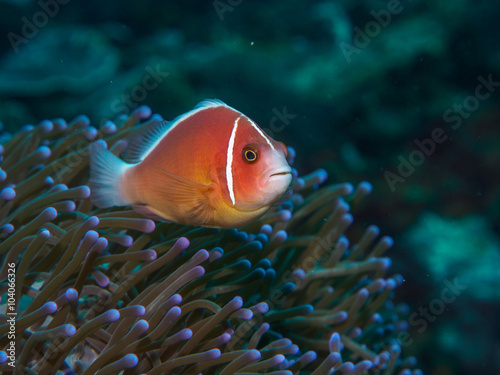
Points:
(276, 175)
(279, 174)
(282, 173)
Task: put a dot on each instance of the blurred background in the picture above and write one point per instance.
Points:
(403, 94)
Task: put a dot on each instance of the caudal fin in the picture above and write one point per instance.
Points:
(106, 171)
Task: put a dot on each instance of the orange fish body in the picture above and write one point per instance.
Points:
(212, 166)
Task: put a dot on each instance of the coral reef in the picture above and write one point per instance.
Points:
(99, 291)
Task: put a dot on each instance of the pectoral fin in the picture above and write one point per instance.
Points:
(192, 201)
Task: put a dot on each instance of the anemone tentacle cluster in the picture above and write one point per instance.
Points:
(106, 291)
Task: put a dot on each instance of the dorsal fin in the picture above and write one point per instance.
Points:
(144, 139)
(149, 135)
(207, 103)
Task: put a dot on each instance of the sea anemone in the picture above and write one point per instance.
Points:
(106, 291)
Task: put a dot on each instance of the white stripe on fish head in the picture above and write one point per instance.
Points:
(229, 162)
(254, 125)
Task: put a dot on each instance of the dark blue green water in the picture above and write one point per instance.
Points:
(403, 94)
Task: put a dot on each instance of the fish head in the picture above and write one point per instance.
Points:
(261, 173)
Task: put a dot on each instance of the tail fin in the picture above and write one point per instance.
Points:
(106, 171)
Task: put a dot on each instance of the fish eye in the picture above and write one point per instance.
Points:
(250, 154)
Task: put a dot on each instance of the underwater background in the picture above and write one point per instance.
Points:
(403, 94)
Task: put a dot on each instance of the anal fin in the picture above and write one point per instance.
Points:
(147, 212)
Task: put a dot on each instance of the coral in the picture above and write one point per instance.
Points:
(99, 291)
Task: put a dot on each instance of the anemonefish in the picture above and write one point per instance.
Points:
(212, 166)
